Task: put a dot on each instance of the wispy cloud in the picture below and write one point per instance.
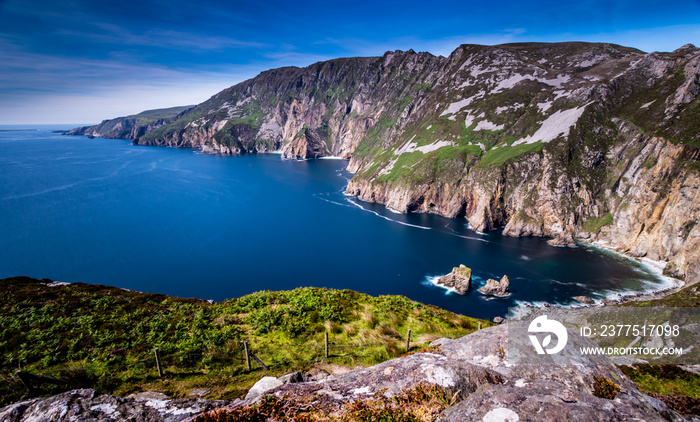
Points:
(117, 35)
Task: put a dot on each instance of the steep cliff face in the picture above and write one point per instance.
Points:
(325, 109)
(567, 140)
(132, 127)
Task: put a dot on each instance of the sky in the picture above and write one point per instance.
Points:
(83, 61)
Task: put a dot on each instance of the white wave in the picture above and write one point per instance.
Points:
(385, 217)
(333, 202)
(332, 157)
(454, 233)
(651, 267)
(524, 257)
(433, 281)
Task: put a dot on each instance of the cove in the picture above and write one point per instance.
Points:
(178, 222)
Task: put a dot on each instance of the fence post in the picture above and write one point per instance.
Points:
(325, 337)
(408, 340)
(160, 369)
(259, 361)
(247, 355)
(24, 380)
(479, 327)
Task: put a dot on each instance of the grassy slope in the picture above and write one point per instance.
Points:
(679, 389)
(149, 116)
(103, 337)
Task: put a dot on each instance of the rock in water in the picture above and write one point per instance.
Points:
(585, 300)
(496, 288)
(460, 278)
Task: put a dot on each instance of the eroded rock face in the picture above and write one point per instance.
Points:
(90, 405)
(496, 288)
(460, 279)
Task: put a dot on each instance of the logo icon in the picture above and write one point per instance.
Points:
(543, 325)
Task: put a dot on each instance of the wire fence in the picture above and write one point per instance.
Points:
(238, 356)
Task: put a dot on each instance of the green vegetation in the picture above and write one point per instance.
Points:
(650, 162)
(148, 116)
(500, 155)
(664, 379)
(103, 337)
(687, 297)
(595, 224)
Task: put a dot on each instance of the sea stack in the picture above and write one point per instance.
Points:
(460, 278)
(496, 288)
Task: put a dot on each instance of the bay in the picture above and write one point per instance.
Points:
(178, 222)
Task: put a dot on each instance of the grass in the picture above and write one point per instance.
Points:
(595, 224)
(664, 379)
(687, 297)
(149, 116)
(498, 156)
(103, 337)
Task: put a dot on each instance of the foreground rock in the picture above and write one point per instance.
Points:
(473, 370)
(460, 279)
(496, 288)
(90, 405)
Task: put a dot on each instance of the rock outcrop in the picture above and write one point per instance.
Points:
(459, 279)
(90, 405)
(565, 140)
(585, 300)
(496, 288)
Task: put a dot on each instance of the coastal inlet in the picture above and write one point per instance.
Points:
(178, 222)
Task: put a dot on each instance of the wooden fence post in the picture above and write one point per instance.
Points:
(325, 337)
(259, 361)
(479, 327)
(408, 340)
(160, 369)
(247, 355)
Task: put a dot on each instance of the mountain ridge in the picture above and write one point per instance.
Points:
(564, 140)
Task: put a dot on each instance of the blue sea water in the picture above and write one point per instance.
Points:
(178, 222)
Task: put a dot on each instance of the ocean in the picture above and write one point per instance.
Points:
(182, 223)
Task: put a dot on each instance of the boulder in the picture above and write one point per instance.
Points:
(585, 300)
(90, 405)
(292, 378)
(460, 279)
(264, 385)
(496, 288)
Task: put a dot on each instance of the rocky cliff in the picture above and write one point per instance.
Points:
(132, 127)
(567, 140)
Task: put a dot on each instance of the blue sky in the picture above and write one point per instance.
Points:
(82, 61)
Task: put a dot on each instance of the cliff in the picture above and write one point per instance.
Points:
(134, 126)
(566, 140)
